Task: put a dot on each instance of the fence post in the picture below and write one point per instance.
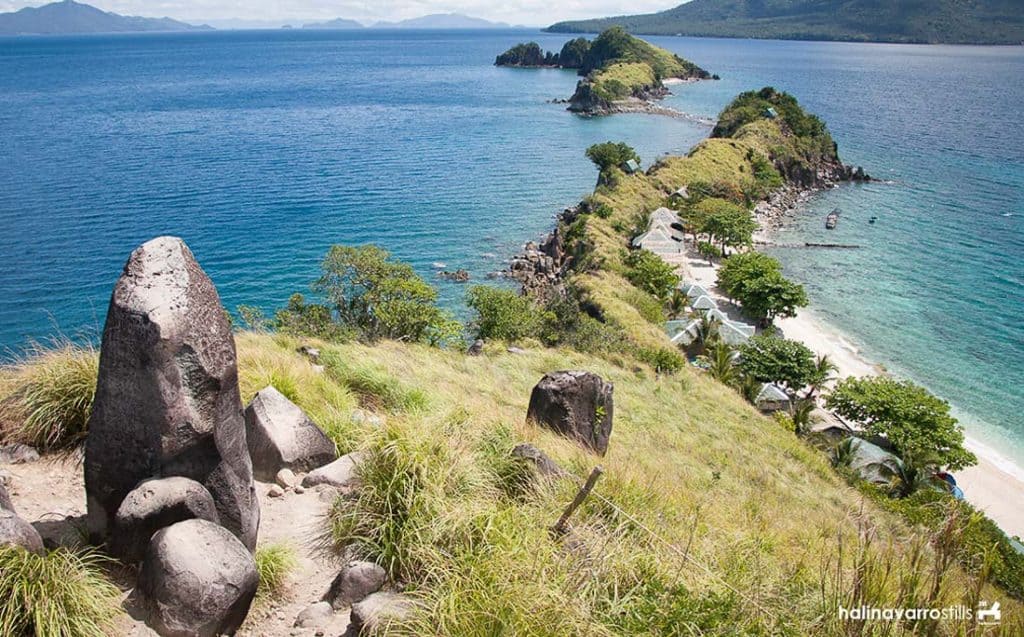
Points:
(559, 529)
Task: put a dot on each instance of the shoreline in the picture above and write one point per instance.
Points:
(994, 486)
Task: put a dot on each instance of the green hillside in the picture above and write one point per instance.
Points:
(921, 21)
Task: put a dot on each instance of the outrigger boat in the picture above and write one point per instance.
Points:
(832, 219)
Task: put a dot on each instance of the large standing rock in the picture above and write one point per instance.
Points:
(575, 404)
(156, 504)
(167, 401)
(198, 580)
(281, 436)
(355, 582)
(14, 530)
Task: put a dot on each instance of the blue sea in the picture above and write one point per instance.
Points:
(262, 149)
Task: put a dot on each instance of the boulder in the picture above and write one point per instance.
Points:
(6, 504)
(17, 454)
(576, 404)
(544, 465)
(198, 580)
(314, 615)
(18, 532)
(340, 474)
(167, 401)
(153, 505)
(281, 436)
(355, 582)
(285, 478)
(375, 613)
(477, 348)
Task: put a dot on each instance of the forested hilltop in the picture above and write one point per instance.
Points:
(620, 72)
(918, 21)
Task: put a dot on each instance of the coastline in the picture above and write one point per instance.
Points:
(994, 486)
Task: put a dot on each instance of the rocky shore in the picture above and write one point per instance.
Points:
(541, 268)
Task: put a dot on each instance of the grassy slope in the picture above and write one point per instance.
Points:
(688, 458)
(938, 21)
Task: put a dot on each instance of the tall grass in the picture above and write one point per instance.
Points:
(62, 594)
(274, 563)
(46, 397)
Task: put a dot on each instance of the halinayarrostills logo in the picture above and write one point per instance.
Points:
(987, 614)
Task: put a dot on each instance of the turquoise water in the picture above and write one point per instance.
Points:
(261, 149)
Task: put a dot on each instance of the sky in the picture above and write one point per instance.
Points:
(527, 12)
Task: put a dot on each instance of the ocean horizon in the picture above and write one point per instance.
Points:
(263, 148)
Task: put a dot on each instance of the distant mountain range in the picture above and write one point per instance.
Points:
(74, 17)
(435, 21)
(923, 21)
(337, 23)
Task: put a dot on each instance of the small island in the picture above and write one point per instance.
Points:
(621, 73)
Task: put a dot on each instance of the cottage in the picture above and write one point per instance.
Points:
(732, 334)
(703, 302)
(631, 166)
(770, 113)
(695, 291)
(772, 398)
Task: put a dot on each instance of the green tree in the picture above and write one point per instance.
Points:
(773, 296)
(731, 225)
(608, 155)
(824, 369)
(721, 365)
(650, 273)
(916, 422)
(380, 297)
(503, 314)
(778, 360)
(300, 318)
(738, 269)
(676, 304)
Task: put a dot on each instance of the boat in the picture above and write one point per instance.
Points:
(832, 219)
(872, 219)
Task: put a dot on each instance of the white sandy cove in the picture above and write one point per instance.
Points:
(995, 485)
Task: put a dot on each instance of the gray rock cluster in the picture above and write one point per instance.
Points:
(575, 404)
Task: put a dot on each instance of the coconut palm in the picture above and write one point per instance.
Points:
(748, 387)
(803, 416)
(720, 363)
(824, 369)
(677, 303)
(707, 332)
(844, 452)
(914, 473)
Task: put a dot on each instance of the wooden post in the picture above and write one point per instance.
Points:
(559, 529)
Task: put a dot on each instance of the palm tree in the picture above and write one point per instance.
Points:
(824, 368)
(749, 387)
(677, 303)
(707, 331)
(721, 366)
(803, 416)
(914, 473)
(844, 452)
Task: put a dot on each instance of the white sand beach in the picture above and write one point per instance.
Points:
(995, 485)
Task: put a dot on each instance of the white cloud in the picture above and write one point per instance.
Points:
(532, 12)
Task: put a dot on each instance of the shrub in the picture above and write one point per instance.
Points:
(503, 314)
(274, 563)
(664, 361)
(59, 594)
(648, 306)
(315, 320)
(380, 297)
(49, 398)
(650, 273)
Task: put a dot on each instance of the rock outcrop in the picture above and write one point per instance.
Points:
(355, 582)
(539, 460)
(198, 580)
(576, 404)
(154, 505)
(281, 436)
(167, 400)
(541, 267)
(6, 504)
